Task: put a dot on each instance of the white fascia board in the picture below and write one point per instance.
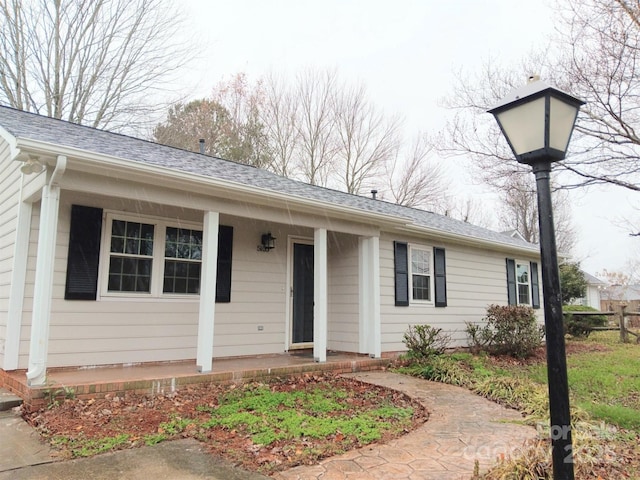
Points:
(12, 141)
(90, 162)
(469, 240)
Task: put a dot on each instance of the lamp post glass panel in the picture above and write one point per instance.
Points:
(537, 121)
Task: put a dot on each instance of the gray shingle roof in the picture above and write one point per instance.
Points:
(591, 280)
(36, 127)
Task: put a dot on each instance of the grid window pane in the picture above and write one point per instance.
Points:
(522, 279)
(523, 273)
(421, 290)
(420, 261)
(130, 261)
(118, 228)
(181, 277)
(131, 238)
(421, 274)
(523, 294)
(183, 243)
(129, 274)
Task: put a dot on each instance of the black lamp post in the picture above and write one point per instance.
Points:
(537, 121)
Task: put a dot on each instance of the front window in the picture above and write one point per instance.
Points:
(183, 258)
(131, 257)
(522, 279)
(421, 274)
(151, 256)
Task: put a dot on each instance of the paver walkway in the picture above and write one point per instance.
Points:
(462, 428)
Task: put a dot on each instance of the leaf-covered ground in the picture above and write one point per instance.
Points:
(263, 427)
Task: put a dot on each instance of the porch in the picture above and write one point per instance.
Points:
(166, 377)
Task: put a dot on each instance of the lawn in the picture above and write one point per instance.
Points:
(604, 383)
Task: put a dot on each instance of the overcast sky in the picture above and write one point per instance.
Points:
(406, 53)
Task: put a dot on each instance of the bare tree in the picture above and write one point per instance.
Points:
(244, 103)
(414, 178)
(91, 62)
(279, 115)
(519, 210)
(314, 90)
(468, 210)
(601, 64)
(366, 138)
(595, 56)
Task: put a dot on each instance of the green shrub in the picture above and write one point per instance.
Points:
(425, 341)
(509, 330)
(581, 326)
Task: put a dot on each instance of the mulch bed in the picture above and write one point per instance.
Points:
(140, 416)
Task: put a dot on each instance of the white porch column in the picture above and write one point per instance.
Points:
(208, 275)
(375, 347)
(369, 301)
(364, 294)
(16, 291)
(320, 308)
(43, 285)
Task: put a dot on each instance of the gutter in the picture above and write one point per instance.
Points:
(44, 272)
(323, 207)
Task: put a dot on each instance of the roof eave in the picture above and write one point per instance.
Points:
(471, 240)
(92, 161)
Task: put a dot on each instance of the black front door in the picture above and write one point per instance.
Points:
(302, 293)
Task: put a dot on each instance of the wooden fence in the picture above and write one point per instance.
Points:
(621, 316)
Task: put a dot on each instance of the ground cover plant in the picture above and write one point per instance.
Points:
(604, 384)
(264, 427)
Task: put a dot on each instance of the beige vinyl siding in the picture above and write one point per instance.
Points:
(9, 204)
(476, 278)
(121, 330)
(257, 294)
(343, 296)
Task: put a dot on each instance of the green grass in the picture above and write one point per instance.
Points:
(604, 384)
(84, 447)
(269, 416)
(604, 388)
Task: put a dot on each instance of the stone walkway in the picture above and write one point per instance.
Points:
(463, 428)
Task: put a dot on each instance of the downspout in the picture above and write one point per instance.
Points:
(36, 375)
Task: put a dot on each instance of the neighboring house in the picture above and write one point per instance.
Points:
(613, 296)
(592, 293)
(115, 250)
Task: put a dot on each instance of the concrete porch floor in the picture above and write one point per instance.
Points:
(168, 377)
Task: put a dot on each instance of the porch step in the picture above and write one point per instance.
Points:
(8, 400)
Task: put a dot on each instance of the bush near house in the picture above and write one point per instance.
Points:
(508, 330)
(579, 325)
(425, 341)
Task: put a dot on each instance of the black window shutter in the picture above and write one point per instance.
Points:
(84, 253)
(512, 294)
(440, 273)
(401, 266)
(535, 288)
(223, 277)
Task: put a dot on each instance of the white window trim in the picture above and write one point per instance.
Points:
(157, 266)
(529, 286)
(429, 250)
